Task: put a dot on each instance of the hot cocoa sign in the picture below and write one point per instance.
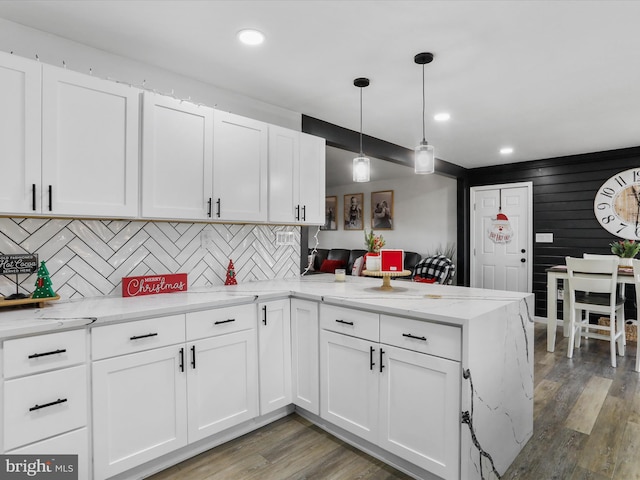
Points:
(18, 263)
(154, 284)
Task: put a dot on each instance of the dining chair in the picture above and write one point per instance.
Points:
(592, 286)
(636, 322)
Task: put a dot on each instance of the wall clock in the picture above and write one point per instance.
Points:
(617, 204)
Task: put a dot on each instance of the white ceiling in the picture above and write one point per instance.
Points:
(549, 78)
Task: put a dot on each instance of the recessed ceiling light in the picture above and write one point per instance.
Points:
(506, 150)
(250, 37)
(441, 117)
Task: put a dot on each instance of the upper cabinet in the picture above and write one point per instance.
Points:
(20, 134)
(296, 177)
(177, 158)
(89, 145)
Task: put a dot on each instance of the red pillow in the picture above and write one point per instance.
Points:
(329, 266)
(424, 280)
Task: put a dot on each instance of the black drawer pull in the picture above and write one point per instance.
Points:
(371, 362)
(138, 337)
(381, 365)
(33, 196)
(218, 208)
(408, 335)
(55, 352)
(193, 356)
(181, 366)
(209, 207)
(344, 321)
(50, 404)
(297, 212)
(304, 213)
(218, 322)
(50, 198)
(264, 311)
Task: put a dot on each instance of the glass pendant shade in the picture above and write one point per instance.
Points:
(424, 158)
(361, 169)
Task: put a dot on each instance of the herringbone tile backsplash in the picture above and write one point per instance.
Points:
(88, 258)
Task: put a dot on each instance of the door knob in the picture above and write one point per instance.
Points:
(523, 251)
(523, 260)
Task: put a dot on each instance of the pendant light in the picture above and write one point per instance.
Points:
(425, 155)
(361, 164)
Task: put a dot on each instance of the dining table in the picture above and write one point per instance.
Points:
(559, 272)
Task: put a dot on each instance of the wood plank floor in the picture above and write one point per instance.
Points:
(586, 426)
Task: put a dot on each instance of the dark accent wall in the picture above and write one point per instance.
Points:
(563, 193)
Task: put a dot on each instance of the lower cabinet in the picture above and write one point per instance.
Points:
(305, 355)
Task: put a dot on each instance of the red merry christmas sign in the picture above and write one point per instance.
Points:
(152, 284)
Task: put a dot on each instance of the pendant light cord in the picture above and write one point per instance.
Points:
(423, 107)
(361, 153)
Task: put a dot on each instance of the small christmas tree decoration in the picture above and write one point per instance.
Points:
(231, 274)
(43, 283)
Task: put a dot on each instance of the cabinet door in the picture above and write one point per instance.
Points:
(239, 168)
(177, 158)
(349, 379)
(420, 410)
(312, 179)
(20, 136)
(284, 159)
(274, 350)
(89, 145)
(139, 409)
(222, 383)
(305, 359)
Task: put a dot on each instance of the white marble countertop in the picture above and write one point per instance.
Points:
(440, 303)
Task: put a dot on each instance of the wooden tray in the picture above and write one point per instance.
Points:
(38, 302)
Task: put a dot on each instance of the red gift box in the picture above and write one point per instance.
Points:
(391, 260)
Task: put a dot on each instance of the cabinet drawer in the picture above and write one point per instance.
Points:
(44, 405)
(219, 321)
(29, 355)
(136, 336)
(426, 337)
(350, 322)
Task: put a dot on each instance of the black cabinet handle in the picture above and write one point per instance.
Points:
(50, 198)
(193, 357)
(304, 213)
(344, 321)
(209, 207)
(218, 208)
(408, 335)
(54, 352)
(219, 322)
(297, 212)
(264, 314)
(181, 366)
(381, 365)
(33, 197)
(371, 362)
(50, 404)
(138, 337)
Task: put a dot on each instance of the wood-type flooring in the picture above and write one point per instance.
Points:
(586, 427)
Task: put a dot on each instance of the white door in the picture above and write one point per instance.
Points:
(284, 157)
(312, 179)
(274, 347)
(349, 383)
(222, 382)
(501, 249)
(420, 410)
(89, 145)
(139, 409)
(20, 119)
(305, 356)
(177, 158)
(240, 151)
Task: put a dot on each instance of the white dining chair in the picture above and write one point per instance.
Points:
(636, 322)
(592, 286)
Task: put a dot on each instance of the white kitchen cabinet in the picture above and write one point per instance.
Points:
(274, 352)
(305, 355)
(139, 408)
(296, 177)
(20, 134)
(89, 145)
(222, 383)
(240, 151)
(177, 158)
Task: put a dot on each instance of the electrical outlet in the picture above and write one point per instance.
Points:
(285, 238)
(560, 294)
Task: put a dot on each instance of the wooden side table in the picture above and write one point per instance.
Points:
(386, 277)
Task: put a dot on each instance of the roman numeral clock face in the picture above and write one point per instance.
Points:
(617, 204)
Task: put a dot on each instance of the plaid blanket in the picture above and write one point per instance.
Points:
(439, 267)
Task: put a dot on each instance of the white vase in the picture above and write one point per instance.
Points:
(626, 262)
(373, 263)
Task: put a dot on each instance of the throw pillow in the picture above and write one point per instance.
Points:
(424, 280)
(329, 266)
(358, 266)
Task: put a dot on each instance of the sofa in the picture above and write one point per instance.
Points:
(347, 257)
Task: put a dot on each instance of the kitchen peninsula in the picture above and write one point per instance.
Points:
(436, 380)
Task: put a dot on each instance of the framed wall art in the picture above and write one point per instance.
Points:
(382, 210)
(330, 213)
(353, 211)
